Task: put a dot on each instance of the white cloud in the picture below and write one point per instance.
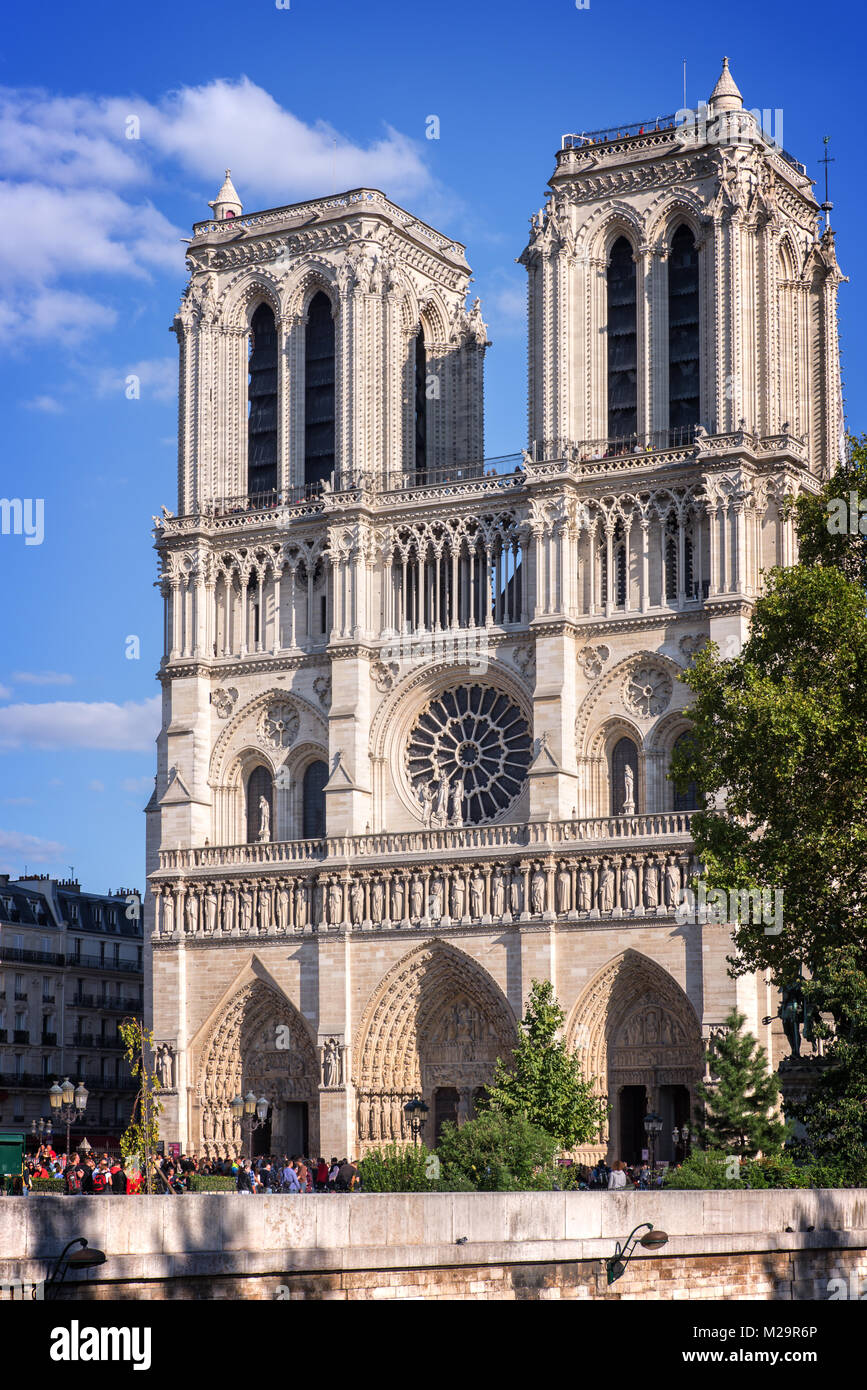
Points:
(505, 303)
(46, 404)
(5, 692)
(96, 786)
(78, 724)
(27, 847)
(42, 678)
(19, 801)
(137, 786)
(158, 379)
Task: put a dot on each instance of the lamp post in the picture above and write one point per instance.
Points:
(681, 1137)
(653, 1129)
(68, 1102)
(41, 1130)
(653, 1240)
(416, 1113)
(252, 1114)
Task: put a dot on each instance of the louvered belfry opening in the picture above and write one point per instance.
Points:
(420, 406)
(622, 343)
(262, 397)
(319, 411)
(683, 331)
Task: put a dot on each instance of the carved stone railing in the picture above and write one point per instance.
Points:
(462, 841)
(568, 885)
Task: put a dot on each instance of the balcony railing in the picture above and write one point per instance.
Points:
(596, 830)
(266, 501)
(96, 1040)
(21, 1035)
(31, 957)
(95, 963)
(622, 132)
(112, 1005)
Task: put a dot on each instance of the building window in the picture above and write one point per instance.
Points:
(420, 403)
(624, 755)
(319, 412)
(622, 343)
(683, 331)
(686, 800)
(671, 559)
(260, 786)
(313, 801)
(262, 399)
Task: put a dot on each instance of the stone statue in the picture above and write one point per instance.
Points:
(606, 888)
(498, 893)
(282, 907)
(264, 821)
(458, 896)
(165, 1065)
(672, 883)
(191, 907)
(263, 914)
(228, 909)
(356, 901)
(629, 883)
(335, 904)
(417, 897)
(585, 889)
(435, 899)
(377, 902)
(246, 911)
(375, 1130)
(211, 908)
(426, 797)
(564, 889)
(441, 806)
(301, 904)
(168, 913)
(477, 895)
(651, 884)
(456, 803)
(397, 899)
(331, 1063)
(516, 893)
(537, 892)
(628, 791)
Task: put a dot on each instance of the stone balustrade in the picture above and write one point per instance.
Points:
(563, 885)
(464, 840)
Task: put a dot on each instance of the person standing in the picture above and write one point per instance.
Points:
(617, 1179)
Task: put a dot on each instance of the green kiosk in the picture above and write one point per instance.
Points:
(11, 1157)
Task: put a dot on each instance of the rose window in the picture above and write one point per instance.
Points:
(468, 755)
(648, 690)
(279, 724)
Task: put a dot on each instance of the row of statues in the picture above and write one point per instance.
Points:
(442, 803)
(629, 884)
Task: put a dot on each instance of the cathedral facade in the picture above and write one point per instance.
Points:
(419, 706)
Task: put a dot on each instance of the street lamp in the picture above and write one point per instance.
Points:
(653, 1240)
(68, 1102)
(416, 1113)
(653, 1129)
(681, 1136)
(251, 1114)
(41, 1130)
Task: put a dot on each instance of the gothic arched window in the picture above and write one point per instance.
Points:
(624, 755)
(313, 801)
(420, 403)
(262, 404)
(683, 331)
(686, 800)
(622, 343)
(260, 784)
(671, 559)
(319, 411)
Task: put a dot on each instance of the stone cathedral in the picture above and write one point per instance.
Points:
(419, 705)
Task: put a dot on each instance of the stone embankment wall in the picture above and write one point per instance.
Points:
(722, 1245)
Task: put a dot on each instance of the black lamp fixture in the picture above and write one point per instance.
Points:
(251, 1113)
(652, 1240)
(68, 1102)
(85, 1257)
(416, 1113)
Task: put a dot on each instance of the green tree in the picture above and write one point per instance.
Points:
(780, 756)
(397, 1168)
(142, 1134)
(739, 1111)
(497, 1152)
(543, 1081)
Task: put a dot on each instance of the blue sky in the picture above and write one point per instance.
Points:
(303, 101)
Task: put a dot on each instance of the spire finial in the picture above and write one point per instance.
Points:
(227, 204)
(725, 95)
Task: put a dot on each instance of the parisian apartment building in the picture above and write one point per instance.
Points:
(70, 972)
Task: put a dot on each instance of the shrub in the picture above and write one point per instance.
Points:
(396, 1169)
(48, 1185)
(497, 1153)
(705, 1168)
(211, 1182)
